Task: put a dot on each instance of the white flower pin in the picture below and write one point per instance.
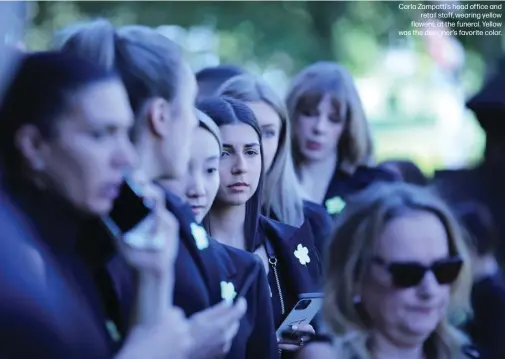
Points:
(228, 292)
(302, 253)
(200, 236)
(334, 205)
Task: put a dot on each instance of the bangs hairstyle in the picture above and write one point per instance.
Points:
(149, 64)
(281, 191)
(50, 82)
(308, 88)
(352, 248)
(206, 123)
(227, 111)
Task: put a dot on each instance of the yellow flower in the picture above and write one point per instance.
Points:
(334, 205)
(228, 292)
(302, 253)
(200, 236)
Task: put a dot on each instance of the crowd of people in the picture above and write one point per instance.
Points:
(248, 202)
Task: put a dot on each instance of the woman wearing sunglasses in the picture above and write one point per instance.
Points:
(398, 277)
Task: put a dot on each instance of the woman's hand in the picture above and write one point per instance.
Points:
(215, 328)
(151, 248)
(169, 338)
(302, 331)
(152, 245)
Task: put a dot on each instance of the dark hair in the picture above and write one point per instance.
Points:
(228, 111)
(149, 64)
(407, 170)
(478, 221)
(210, 79)
(39, 93)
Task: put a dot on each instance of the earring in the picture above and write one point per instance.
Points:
(356, 299)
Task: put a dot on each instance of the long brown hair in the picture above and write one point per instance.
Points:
(306, 91)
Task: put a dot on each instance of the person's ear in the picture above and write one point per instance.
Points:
(158, 117)
(32, 146)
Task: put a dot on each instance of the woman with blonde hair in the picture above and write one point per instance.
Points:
(398, 277)
(332, 144)
(282, 197)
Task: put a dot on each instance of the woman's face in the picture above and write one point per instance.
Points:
(270, 124)
(240, 166)
(86, 160)
(408, 313)
(200, 184)
(182, 125)
(318, 130)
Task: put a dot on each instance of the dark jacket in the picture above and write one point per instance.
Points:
(256, 336)
(321, 224)
(342, 185)
(488, 323)
(290, 248)
(53, 310)
(199, 273)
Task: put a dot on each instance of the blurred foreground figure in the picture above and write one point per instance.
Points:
(484, 183)
(11, 30)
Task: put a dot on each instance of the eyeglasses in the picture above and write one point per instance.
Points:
(410, 274)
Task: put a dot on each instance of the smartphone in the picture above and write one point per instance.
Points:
(129, 209)
(309, 304)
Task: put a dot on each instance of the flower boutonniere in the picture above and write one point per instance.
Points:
(228, 292)
(334, 205)
(302, 253)
(200, 236)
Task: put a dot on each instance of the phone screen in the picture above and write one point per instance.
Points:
(129, 210)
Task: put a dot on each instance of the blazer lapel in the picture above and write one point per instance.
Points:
(191, 234)
(298, 253)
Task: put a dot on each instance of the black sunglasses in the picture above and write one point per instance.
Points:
(410, 274)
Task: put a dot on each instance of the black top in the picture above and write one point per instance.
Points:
(488, 323)
(200, 269)
(256, 336)
(482, 185)
(297, 266)
(197, 275)
(342, 185)
(320, 223)
(60, 315)
(318, 220)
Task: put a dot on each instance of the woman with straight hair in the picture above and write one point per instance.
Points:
(63, 158)
(288, 253)
(332, 145)
(398, 277)
(282, 195)
(162, 91)
(245, 274)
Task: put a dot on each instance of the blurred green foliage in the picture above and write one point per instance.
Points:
(288, 35)
(348, 31)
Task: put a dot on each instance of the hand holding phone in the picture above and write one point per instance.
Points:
(296, 330)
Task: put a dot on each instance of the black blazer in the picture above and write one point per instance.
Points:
(321, 224)
(197, 273)
(296, 276)
(256, 336)
(318, 220)
(343, 185)
(55, 312)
